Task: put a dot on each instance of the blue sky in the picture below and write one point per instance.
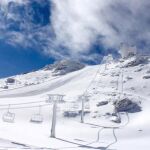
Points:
(34, 33)
(14, 60)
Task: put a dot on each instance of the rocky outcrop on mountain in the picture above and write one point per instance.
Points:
(115, 119)
(102, 103)
(65, 66)
(129, 78)
(5, 87)
(10, 80)
(138, 70)
(138, 60)
(148, 71)
(146, 77)
(127, 105)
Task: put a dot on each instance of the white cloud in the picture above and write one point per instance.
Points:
(78, 23)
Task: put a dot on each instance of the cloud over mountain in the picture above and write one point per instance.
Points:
(78, 24)
(71, 28)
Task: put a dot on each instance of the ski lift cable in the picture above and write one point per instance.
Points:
(122, 76)
(44, 105)
(97, 72)
(93, 79)
(118, 90)
(33, 102)
(86, 90)
(121, 91)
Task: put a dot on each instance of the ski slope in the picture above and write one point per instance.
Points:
(98, 131)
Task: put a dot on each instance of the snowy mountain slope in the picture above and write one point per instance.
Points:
(46, 74)
(48, 85)
(98, 131)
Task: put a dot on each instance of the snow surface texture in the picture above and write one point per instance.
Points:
(28, 96)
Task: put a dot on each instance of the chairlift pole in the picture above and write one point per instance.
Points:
(82, 112)
(55, 98)
(117, 83)
(105, 66)
(122, 83)
(54, 120)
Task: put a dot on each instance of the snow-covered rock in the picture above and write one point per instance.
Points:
(146, 77)
(137, 60)
(127, 105)
(5, 87)
(148, 71)
(102, 103)
(10, 80)
(129, 78)
(115, 119)
(65, 66)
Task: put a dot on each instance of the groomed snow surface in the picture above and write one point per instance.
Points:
(97, 131)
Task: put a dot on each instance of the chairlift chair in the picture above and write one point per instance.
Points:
(71, 110)
(37, 118)
(75, 106)
(72, 107)
(87, 106)
(9, 117)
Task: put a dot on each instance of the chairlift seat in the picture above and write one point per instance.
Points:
(75, 106)
(87, 107)
(48, 101)
(70, 114)
(37, 118)
(9, 117)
